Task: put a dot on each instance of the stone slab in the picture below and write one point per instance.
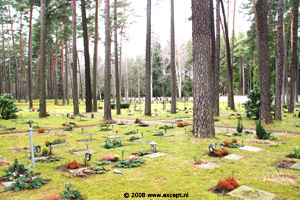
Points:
(233, 157)
(113, 136)
(168, 135)
(209, 165)
(40, 158)
(141, 140)
(80, 153)
(248, 148)
(263, 142)
(7, 184)
(92, 133)
(282, 180)
(155, 155)
(60, 145)
(77, 170)
(296, 166)
(229, 135)
(248, 193)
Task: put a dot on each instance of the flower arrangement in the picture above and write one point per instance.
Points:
(223, 152)
(233, 144)
(227, 185)
(41, 130)
(130, 132)
(72, 165)
(134, 138)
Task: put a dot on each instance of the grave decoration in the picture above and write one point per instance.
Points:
(106, 128)
(182, 124)
(225, 186)
(217, 153)
(159, 134)
(41, 130)
(56, 141)
(133, 138)
(143, 124)
(70, 128)
(134, 161)
(41, 153)
(296, 153)
(4, 163)
(131, 132)
(108, 144)
(233, 144)
(261, 132)
(166, 127)
(137, 120)
(49, 159)
(240, 126)
(71, 194)
(120, 123)
(22, 178)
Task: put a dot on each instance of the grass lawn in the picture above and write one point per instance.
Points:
(173, 173)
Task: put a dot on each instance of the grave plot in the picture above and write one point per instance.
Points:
(225, 186)
(18, 149)
(4, 163)
(108, 144)
(204, 164)
(142, 140)
(246, 192)
(87, 139)
(248, 148)
(81, 152)
(155, 155)
(288, 165)
(282, 179)
(233, 157)
(233, 144)
(48, 159)
(296, 153)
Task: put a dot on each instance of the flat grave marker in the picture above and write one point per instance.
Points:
(248, 148)
(296, 166)
(209, 165)
(233, 157)
(80, 153)
(155, 155)
(113, 136)
(247, 193)
(141, 140)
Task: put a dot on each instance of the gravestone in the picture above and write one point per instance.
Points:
(80, 153)
(248, 148)
(40, 158)
(60, 145)
(209, 165)
(155, 155)
(113, 136)
(141, 140)
(233, 157)
(282, 180)
(246, 192)
(92, 133)
(168, 135)
(296, 166)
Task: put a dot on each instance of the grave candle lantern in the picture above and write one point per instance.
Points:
(68, 186)
(222, 145)
(49, 130)
(211, 148)
(38, 148)
(216, 145)
(153, 146)
(142, 134)
(88, 156)
(195, 159)
(81, 130)
(123, 154)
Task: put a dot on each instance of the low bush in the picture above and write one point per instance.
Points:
(261, 132)
(72, 165)
(227, 185)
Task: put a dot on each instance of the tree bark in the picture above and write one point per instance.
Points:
(280, 58)
(81, 93)
(95, 62)
(55, 72)
(174, 91)
(16, 62)
(88, 89)
(203, 120)
(294, 36)
(42, 83)
(4, 64)
(125, 57)
(67, 72)
(74, 88)
(229, 67)
(118, 98)
(264, 62)
(217, 60)
(232, 37)
(148, 62)
(107, 73)
(62, 73)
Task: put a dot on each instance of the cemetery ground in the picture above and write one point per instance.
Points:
(173, 173)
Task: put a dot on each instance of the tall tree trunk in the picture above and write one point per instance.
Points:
(174, 92)
(203, 120)
(62, 74)
(88, 89)
(107, 73)
(9, 78)
(256, 28)
(213, 47)
(4, 64)
(15, 55)
(74, 88)
(243, 71)
(37, 72)
(280, 57)
(125, 57)
(241, 77)
(67, 72)
(232, 37)
(294, 36)
(55, 73)
(229, 67)
(285, 70)
(270, 14)
(120, 66)
(42, 83)
(21, 61)
(264, 62)
(118, 98)
(217, 60)
(81, 93)
(148, 62)
(95, 63)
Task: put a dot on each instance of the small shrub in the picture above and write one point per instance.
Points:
(72, 165)
(71, 195)
(240, 126)
(41, 130)
(8, 108)
(224, 152)
(261, 132)
(285, 106)
(297, 152)
(226, 143)
(112, 144)
(227, 185)
(234, 140)
(217, 119)
(47, 114)
(180, 124)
